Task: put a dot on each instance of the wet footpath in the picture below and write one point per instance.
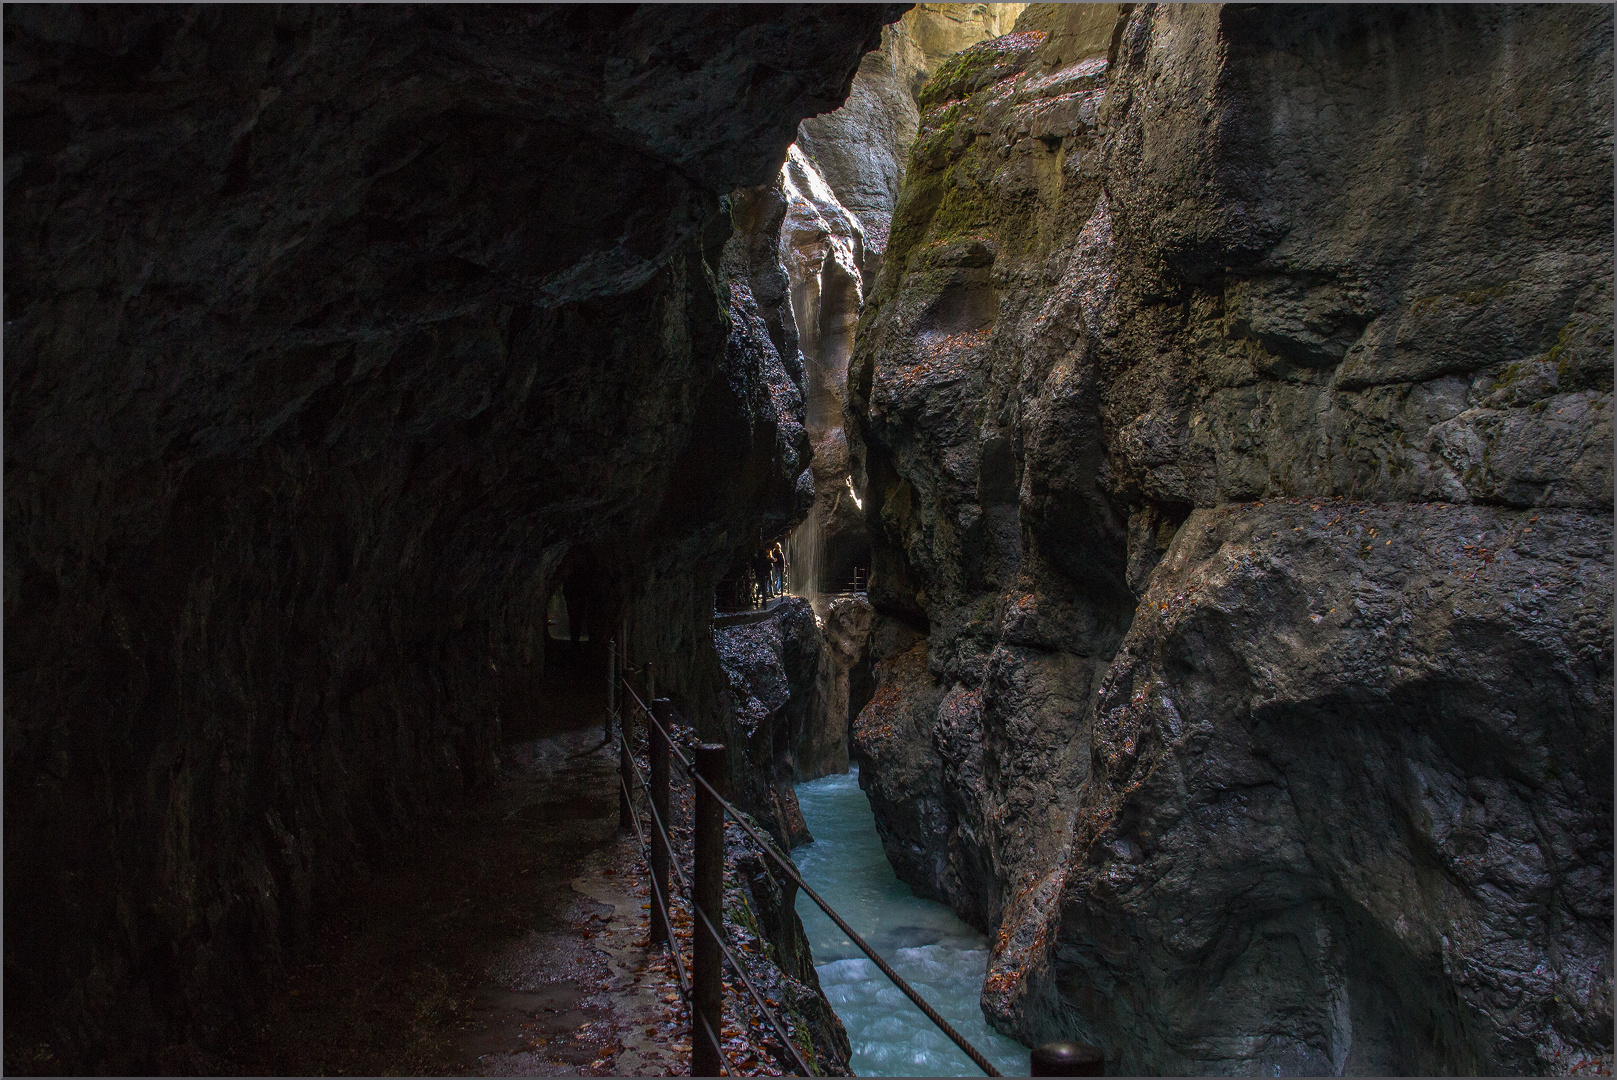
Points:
(509, 940)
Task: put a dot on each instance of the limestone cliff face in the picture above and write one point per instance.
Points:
(963, 383)
(861, 147)
(842, 181)
(1234, 416)
(331, 336)
(822, 251)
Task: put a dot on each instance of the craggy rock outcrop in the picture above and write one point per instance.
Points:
(752, 269)
(306, 406)
(842, 181)
(964, 406)
(772, 666)
(791, 675)
(1234, 416)
(841, 690)
(860, 148)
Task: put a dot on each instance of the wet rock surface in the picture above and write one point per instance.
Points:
(842, 688)
(307, 409)
(772, 668)
(1196, 760)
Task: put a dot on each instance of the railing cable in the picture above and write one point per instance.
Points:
(790, 871)
(672, 745)
(763, 1006)
(657, 895)
(657, 820)
(886, 969)
(769, 1015)
(758, 998)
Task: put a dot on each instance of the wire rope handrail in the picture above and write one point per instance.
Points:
(886, 969)
(657, 894)
(672, 745)
(786, 866)
(758, 998)
(763, 1006)
(656, 818)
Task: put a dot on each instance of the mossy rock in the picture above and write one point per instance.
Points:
(984, 64)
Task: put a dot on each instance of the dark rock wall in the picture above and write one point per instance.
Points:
(1234, 412)
(820, 748)
(331, 333)
(974, 434)
(772, 667)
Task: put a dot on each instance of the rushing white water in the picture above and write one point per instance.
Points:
(942, 957)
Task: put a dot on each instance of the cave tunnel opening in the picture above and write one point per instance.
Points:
(570, 692)
(845, 561)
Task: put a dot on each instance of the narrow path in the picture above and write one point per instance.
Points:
(510, 940)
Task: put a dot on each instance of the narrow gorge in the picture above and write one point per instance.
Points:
(1186, 432)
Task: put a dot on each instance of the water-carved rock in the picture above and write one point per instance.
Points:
(1239, 434)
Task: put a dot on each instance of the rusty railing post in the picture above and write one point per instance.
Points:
(659, 803)
(707, 963)
(625, 763)
(611, 685)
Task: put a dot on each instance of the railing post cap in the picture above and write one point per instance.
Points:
(1067, 1059)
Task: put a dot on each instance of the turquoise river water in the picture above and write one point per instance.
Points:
(942, 957)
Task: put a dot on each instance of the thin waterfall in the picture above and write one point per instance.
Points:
(803, 557)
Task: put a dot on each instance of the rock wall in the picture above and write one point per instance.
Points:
(842, 182)
(821, 747)
(790, 676)
(822, 251)
(1234, 417)
(961, 415)
(305, 407)
(860, 148)
(772, 667)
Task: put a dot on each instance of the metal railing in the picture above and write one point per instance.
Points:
(703, 990)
